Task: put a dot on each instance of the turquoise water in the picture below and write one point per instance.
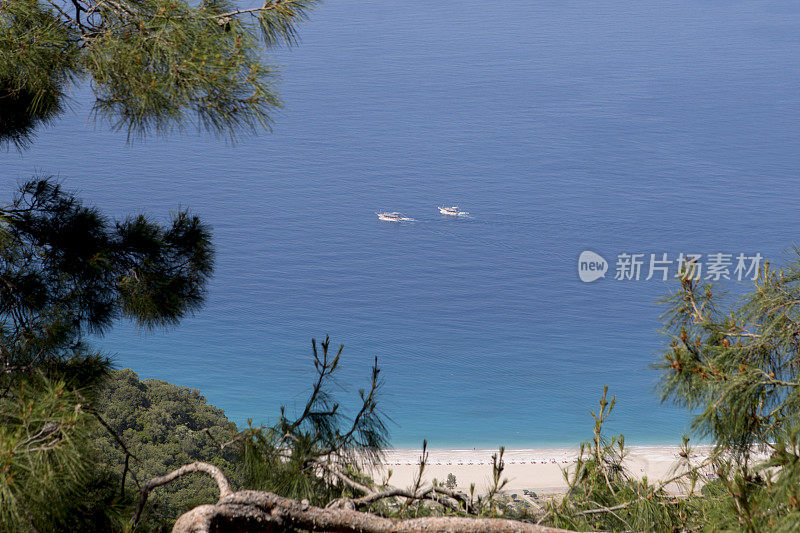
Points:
(561, 126)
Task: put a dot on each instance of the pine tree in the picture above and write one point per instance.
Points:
(736, 367)
(155, 66)
(65, 271)
(739, 369)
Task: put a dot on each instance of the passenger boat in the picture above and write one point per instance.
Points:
(453, 211)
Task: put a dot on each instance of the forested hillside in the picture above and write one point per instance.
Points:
(164, 427)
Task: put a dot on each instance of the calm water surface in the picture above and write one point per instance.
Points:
(613, 126)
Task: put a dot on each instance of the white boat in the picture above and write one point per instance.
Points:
(453, 211)
(392, 217)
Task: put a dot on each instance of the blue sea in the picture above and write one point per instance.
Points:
(562, 126)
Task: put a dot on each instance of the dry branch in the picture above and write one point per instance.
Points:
(222, 483)
(453, 500)
(256, 511)
(253, 511)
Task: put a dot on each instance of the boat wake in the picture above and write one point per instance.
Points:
(393, 217)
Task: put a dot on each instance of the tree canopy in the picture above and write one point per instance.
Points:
(164, 426)
(67, 270)
(154, 66)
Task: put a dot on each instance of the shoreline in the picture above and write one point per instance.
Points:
(537, 469)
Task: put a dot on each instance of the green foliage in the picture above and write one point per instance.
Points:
(45, 482)
(603, 496)
(165, 427)
(738, 369)
(49, 430)
(155, 65)
(311, 456)
(490, 504)
(38, 59)
(66, 271)
(174, 63)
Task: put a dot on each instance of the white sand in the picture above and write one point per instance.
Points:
(540, 470)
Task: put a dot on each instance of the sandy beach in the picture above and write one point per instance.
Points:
(540, 470)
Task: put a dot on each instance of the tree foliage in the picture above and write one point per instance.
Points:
(736, 366)
(739, 369)
(155, 65)
(65, 271)
(45, 482)
(38, 60)
(164, 426)
(315, 455)
(603, 496)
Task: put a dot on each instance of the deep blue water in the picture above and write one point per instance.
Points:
(562, 126)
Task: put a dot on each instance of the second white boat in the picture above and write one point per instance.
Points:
(453, 211)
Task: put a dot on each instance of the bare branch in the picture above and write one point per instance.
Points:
(213, 471)
(266, 512)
